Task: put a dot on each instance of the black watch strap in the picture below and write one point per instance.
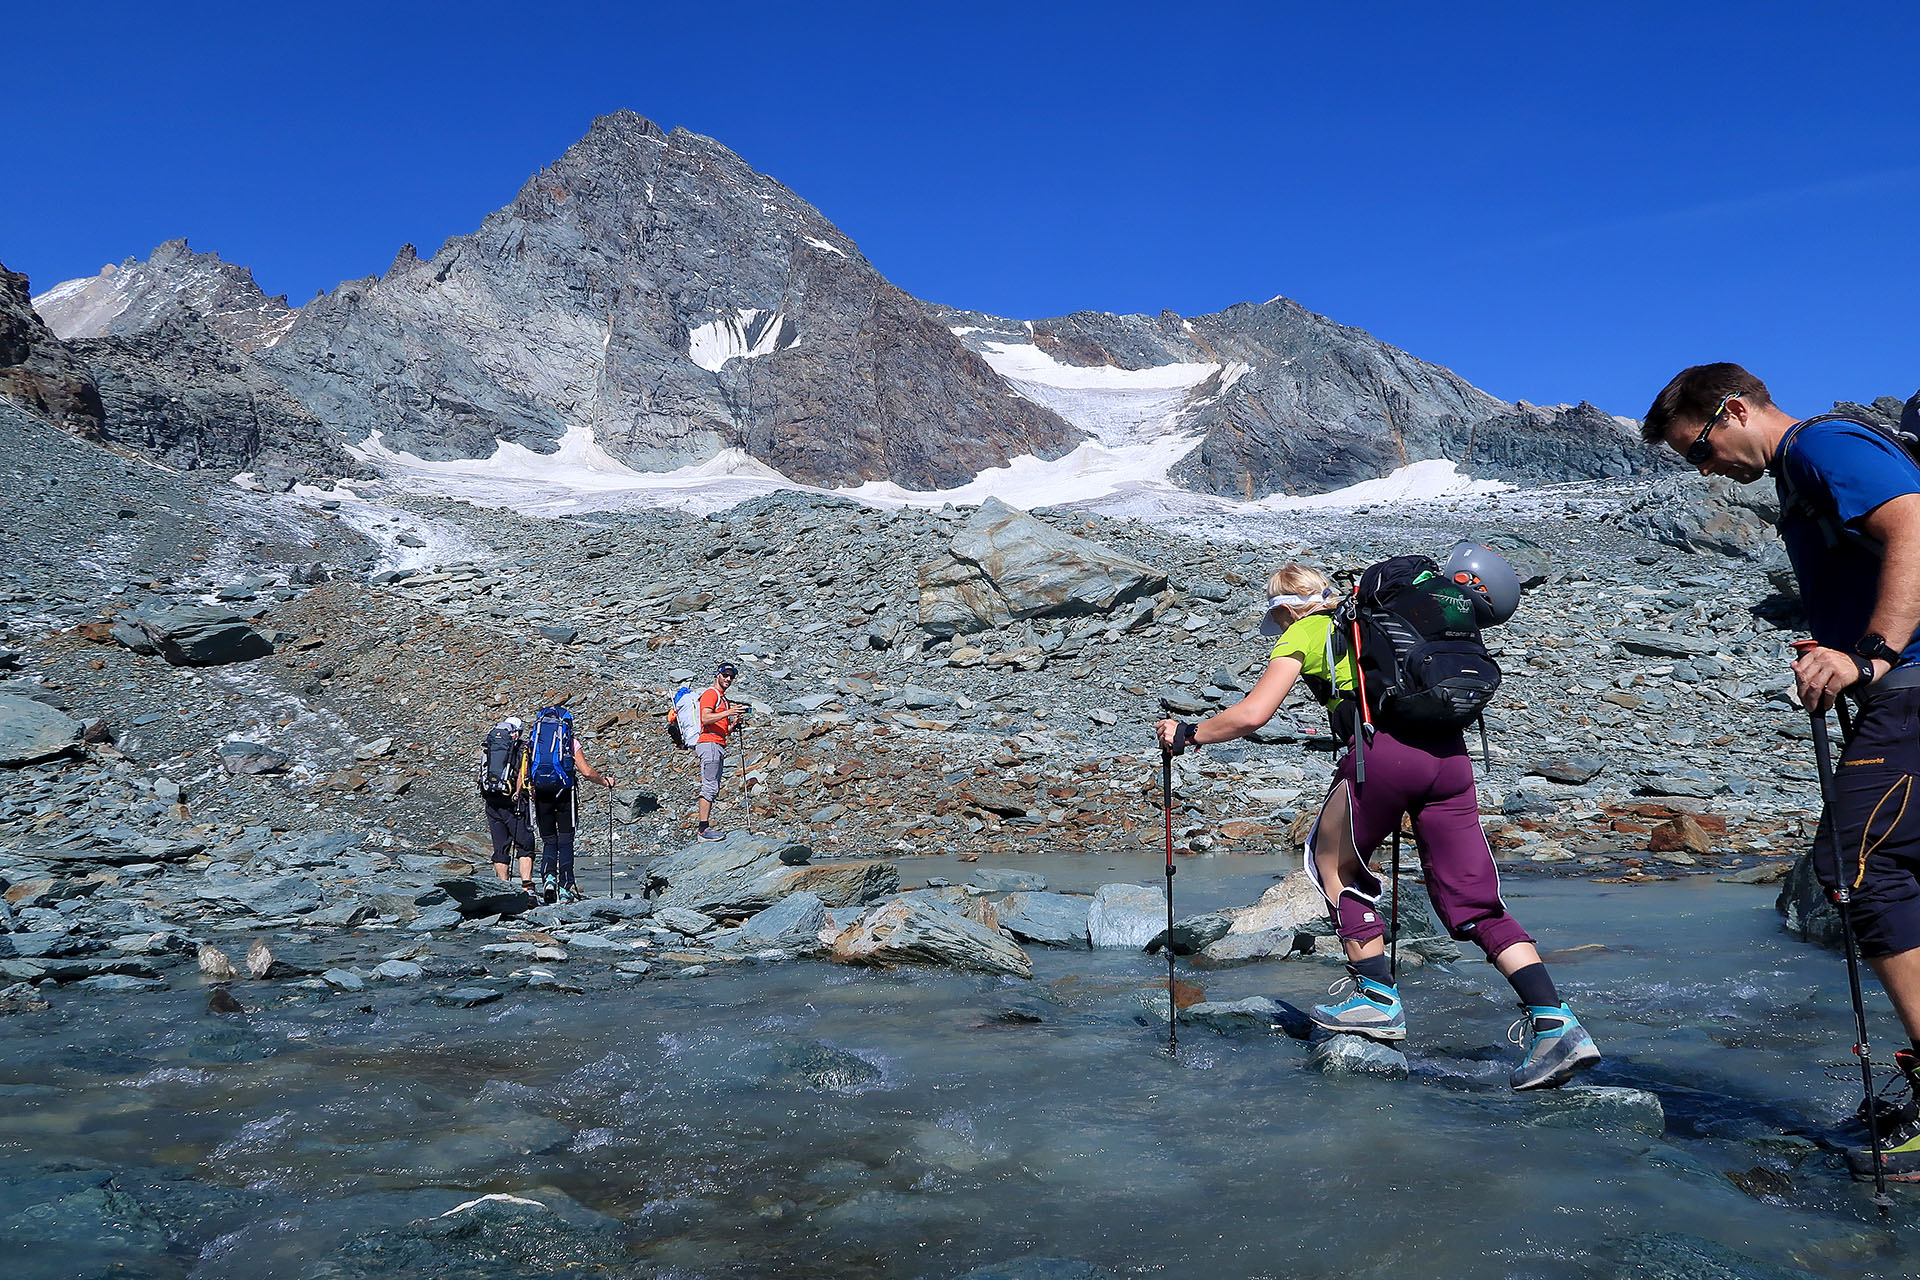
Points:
(1874, 645)
(1866, 672)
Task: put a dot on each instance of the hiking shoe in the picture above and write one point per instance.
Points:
(711, 834)
(527, 887)
(571, 893)
(1560, 1049)
(1373, 1010)
(1899, 1127)
(552, 888)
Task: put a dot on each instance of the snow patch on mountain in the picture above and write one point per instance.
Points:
(1117, 406)
(745, 335)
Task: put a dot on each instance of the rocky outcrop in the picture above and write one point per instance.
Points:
(653, 289)
(193, 636)
(173, 281)
(1283, 400)
(40, 373)
(1004, 565)
(31, 732)
(179, 392)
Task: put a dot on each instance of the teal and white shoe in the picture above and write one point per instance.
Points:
(1560, 1048)
(1373, 1010)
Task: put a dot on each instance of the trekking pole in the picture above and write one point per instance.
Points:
(1393, 923)
(1166, 809)
(609, 842)
(1843, 899)
(746, 793)
(1364, 725)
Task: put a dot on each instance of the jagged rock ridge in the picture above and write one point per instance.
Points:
(137, 295)
(1291, 401)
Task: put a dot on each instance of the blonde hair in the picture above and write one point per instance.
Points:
(1298, 580)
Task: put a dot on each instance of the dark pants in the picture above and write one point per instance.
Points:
(1433, 785)
(507, 824)
(554, 815)
(1876, 819)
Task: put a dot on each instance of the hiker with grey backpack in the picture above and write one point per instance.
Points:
(1402, 671)
(502, 762)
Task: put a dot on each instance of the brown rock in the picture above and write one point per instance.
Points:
(1680, 834)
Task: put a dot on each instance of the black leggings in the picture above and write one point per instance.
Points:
(554, 815)
(507, 824)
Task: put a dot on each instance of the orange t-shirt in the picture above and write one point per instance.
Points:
(714, 700)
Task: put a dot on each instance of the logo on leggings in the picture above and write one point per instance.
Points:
(1874, 760)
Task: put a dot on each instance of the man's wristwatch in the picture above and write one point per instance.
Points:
(1868, 647)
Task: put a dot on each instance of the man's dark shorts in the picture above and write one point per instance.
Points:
(1877, 819)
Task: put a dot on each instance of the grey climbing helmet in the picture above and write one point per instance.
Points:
(1487, 575)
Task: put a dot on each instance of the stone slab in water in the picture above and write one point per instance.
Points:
(1598, 1106)
(1046, 919)
(1255, 1013)
(1357, 1055)
(1126, 915)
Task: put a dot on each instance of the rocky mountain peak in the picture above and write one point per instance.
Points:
(38, 371)
(140, 294)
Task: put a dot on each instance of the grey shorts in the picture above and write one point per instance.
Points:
(712, 757)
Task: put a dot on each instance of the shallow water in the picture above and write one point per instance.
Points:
(800, 1119)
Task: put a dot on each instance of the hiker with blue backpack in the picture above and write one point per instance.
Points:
(1849, 493)
(554, 764)
(1401, 669)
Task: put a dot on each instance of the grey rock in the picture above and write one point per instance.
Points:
(1003, 565)
(1126, 915)
(1046, 919)
(795, 919)
(1807, 912)
(39, 372)
(398, 970)
(1003, 880)
(1572, 770)
(484, 895)
(279, 896)
(251, 757)
(31, 732)
(1663, 644)
(683, 920)
(467, 997)
(1255, 1013)
(201, 636)
(744, 874)
(1358, 1056)
(913, 930)
(1193, 934)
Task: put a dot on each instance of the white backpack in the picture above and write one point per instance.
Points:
(686, 711)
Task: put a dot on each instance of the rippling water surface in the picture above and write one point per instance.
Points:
(801, 1119)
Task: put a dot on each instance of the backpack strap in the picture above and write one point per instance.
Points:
(1794, 502)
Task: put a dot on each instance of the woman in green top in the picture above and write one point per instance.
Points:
(1429, 780)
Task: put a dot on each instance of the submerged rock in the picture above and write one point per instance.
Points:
(1598, 1106)
(1046, 919)
(1126, 915)
(492, 1235)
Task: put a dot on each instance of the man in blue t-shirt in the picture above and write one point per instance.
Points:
(1850, 518)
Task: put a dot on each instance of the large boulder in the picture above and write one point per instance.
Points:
(194, 635)
(794, 921)
(1003, 565)
(39, 372)
(918, 930)
(745, 874)
(31, 732)
(1808, 913)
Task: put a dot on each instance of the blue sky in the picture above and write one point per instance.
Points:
(1560, 205)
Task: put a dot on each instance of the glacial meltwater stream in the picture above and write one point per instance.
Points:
(800, 1119)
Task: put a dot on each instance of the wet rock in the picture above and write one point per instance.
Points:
(343, 980)
(1000, 880)
(1597, 1106)
(1192, 934)
(543, 1233)
(744, 874)
(1356, 1055)
(214, 963)
(280, 896)
(916, 931)
(1003, 565)
(1255, 1013)
(1126, 915)
(201, 636)
(259, 959)
(221, 1000)
(1046, 919)
(795, 920)
(398, 970)
(31, 732)
(683, 920)
(1290, 906)
(1808, 913)
(1669, 1255)
(466, 997)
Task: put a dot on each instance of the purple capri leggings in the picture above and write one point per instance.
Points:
(1433, 785)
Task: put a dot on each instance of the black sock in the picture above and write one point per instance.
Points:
(703, 826)
(1375, 967)
(1534, 985)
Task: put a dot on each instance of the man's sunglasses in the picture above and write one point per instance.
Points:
(1700, 450)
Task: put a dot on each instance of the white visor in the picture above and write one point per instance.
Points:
(1273, 625)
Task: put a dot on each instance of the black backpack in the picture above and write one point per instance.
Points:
(498, 753)
(1422, 664)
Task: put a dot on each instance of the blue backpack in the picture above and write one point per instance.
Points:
(550, 750)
